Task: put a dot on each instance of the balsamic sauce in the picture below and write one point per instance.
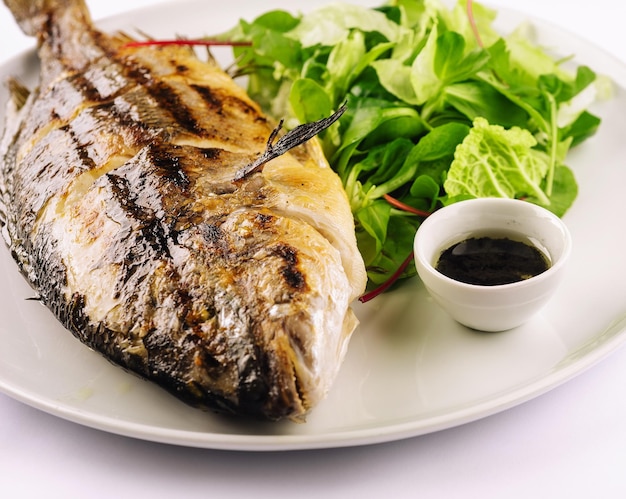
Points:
(491, 261)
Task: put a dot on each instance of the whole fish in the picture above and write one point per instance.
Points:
(133, 202)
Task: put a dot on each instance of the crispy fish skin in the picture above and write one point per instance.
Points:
(117, 202)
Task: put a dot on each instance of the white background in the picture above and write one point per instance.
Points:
(570, 442)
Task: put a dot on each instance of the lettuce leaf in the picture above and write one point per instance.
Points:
(331, 24)
(495, 162)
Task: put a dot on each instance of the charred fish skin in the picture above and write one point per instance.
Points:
(118, 203)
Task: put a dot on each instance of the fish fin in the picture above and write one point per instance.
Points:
(33, 16)
(19, 93)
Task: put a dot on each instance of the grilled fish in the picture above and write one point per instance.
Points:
(119, 203)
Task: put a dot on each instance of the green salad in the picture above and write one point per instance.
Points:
(440, 108)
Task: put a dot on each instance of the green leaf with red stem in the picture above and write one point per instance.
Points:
(389, 282)
(404, 207)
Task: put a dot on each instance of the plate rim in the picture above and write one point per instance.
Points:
(609, 340)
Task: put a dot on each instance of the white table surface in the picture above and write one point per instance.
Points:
(570, 442)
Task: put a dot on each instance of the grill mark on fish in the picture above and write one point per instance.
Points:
(215, 104)
(290, 272)
(109, 79)
(65, 100)
(216, 100)
(133, 70)
(78, 139)
(142, 205)
(123, 81)
(55, 175)
(170, 168)
(172, 110)
(169, 99)
(86, 162)
(85, 88)
(149, 232)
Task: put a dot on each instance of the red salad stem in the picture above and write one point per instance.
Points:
(385, 285)
(191, 43)
(472, 21)
(396, 275)
(404, 207)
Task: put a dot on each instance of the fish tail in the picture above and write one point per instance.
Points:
(36, 17)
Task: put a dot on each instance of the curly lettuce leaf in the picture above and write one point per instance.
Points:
(495, 162)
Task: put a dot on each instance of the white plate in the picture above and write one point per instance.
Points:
(410, 369)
